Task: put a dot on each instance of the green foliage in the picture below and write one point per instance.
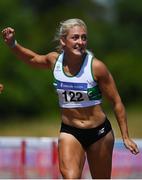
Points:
(114, 32)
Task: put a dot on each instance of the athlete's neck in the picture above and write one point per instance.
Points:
(72, 60)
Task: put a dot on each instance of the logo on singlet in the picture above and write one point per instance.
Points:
(71, 86)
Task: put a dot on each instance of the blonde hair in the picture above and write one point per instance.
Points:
(64, 27)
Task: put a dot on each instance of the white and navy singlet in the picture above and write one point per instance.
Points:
(76, 91)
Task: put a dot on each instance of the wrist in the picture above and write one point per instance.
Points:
(125, 138)
(13, 43)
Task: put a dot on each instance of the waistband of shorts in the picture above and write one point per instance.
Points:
(105, 123)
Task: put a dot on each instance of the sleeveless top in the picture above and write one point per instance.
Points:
(80, 90)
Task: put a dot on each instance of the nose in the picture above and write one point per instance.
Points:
(80, 41)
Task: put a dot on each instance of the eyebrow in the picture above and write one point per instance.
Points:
(79, 35)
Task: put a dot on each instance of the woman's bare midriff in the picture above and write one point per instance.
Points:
(86, 117)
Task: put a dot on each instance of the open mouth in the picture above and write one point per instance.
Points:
(80, 49)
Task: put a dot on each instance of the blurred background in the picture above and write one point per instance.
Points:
(29, 112)
(28, 104)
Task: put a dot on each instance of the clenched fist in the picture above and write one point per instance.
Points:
(9, 36)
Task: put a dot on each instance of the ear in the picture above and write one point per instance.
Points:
(62, 41)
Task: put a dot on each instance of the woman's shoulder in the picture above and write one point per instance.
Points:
(95, 61)
(52, 55)
(99, 67)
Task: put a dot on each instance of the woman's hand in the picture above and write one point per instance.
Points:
(9, 36)
(131, 145)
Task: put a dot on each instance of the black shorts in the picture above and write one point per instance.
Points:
(87, 136)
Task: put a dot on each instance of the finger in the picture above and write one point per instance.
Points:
(10, 30)
(134, 150)
(7, 30)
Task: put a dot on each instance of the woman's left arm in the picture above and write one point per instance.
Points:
(109, 90)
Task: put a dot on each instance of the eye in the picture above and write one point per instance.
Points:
(84, 37)
(75, 37)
